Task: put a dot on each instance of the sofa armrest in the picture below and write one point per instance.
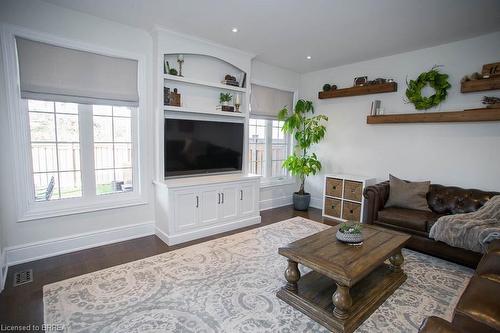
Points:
(376, 196)
(437, 325)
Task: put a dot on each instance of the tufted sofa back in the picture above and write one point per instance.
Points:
(456, 200)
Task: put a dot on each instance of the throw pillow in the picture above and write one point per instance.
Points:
(411, 195)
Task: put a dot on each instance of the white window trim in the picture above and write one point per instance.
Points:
(27, 208)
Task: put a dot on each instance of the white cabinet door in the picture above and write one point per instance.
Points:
(246, 200)
(186, 210)
(208, 205)
(228, 208)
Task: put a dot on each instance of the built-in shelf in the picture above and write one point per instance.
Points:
(480, 85)
(203, 83)
(471, 115)
(202, 111)
(360, 90)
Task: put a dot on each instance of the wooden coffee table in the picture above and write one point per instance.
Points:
(347, 283)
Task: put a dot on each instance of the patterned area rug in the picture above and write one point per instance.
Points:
(229, 285)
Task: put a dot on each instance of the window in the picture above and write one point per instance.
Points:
(112, 149)
(57, 135)
(268, 148)
(55, 147)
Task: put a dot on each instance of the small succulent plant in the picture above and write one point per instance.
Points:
(352, 228)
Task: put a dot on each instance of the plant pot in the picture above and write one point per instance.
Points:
(301, 201)
(349, 238)
(225, 103)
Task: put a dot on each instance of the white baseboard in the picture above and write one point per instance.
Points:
(209, 231)
(276, 202)
(317, 202)
(56, 246)
(3, 269)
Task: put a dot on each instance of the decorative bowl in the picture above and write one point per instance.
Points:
(349, 238)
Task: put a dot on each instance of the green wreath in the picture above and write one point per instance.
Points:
(437, 81)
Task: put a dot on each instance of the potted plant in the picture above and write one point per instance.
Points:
(225, 98)
(350, 232)
(307, 130)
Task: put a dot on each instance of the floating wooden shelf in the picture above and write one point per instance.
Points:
(471, 115)
(492, 83)
(360, 90)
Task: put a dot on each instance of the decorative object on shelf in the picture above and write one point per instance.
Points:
(225, 108)
(351, 233)
(172, 71)
(244, 80)
(327, 87)
(172, 98)
(306, 131)
(433, 78)
(375, 107)
(491, 70)
(180, 60)
(166, 96)
(491, 102)
(360, 81)
(169, 70)
(237, 102)
(230, 81)
(225, 98)
(377, 81)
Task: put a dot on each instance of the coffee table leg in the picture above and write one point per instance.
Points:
(292, 275)
(342, 301)
(396, 260)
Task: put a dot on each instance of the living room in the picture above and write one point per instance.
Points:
(174, 166)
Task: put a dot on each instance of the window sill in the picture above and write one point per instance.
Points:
(36, 212)
(265, 183)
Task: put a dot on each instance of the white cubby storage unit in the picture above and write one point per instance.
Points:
(199, 206)
(343, 197)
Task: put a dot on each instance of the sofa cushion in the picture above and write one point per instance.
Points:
(489, 267)
(478, 310)
(407, 218)
(404, 194)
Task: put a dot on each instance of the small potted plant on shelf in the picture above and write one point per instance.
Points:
(307, 130)
(225, 98)
(350, 232)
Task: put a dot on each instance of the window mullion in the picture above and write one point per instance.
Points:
(269, 149)
(87, 151)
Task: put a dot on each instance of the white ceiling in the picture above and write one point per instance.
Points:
(332, 32)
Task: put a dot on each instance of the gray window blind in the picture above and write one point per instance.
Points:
(56, 73)
(267, 102)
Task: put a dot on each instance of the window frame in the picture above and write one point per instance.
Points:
(27, 207)
(266, 179)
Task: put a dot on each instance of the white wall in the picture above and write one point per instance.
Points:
(279, 78)
(29, 238)
(3, 179)
(448, 153)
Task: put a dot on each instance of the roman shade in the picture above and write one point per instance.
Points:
(266, 102)
(57, 73)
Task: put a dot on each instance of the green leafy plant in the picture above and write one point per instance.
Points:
(351, 228)
(172, 71)
(433, 78)
(225, 97)
(306, 131)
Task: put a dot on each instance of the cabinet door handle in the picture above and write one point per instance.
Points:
(222, 197)
(197, 202)
(241, 194)
(218, 202)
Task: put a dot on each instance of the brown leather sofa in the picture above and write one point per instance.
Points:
(478, 309)
(442, 200)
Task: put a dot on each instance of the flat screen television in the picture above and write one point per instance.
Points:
(201, 147)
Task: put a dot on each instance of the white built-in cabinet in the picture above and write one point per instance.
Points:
(187, 211)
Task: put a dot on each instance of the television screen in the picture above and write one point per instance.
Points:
(199, 147)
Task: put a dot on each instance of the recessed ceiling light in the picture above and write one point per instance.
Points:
(308, 57)
(234, 29)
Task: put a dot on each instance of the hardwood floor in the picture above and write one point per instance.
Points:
(23, 305)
